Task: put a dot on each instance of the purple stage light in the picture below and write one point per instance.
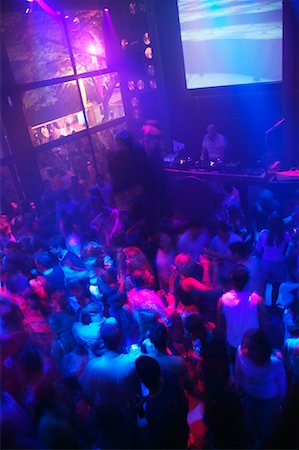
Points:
(106, 9)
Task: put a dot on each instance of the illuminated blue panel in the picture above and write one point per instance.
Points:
(231, 42)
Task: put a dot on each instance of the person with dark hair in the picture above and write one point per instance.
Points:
(236, 220)
(69, 261)
(212, 352)
(105, 189)
(191, 287)
(89, 318)
(265, 205)
(21, 293)
(159, 336)
(231, 199)
(239, 310)
(187, 280)
(52, 273)
(194, 240)
(218, 250)
(166, 406)
(271, 246)
(241, 254)
(221, 409)
(109, 384)
(78, 294)
(261, 381)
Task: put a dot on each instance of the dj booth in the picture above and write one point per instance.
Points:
(244, 175)
(198, 192)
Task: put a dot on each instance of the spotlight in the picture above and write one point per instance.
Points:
(92, 49)
(106, 9)
(148, 52)
(140, 85)
(153, 84)
(131, 85)
(124, 43)
(146, 38)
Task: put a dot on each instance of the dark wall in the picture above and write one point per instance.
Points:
(24, 156)
(241, 113)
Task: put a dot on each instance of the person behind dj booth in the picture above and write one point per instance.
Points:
(214, 145)
(129, 171)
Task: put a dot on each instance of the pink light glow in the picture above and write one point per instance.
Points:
(47, 8)
(92, 49)
(106, 9)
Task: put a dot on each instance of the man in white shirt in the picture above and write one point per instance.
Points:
(213, 145)
(239, 310)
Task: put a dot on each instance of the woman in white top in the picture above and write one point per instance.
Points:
(271, 246)
(261, 382)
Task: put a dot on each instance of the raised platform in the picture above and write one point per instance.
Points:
(245, 174)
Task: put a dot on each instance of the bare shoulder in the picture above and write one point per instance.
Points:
(256, 298)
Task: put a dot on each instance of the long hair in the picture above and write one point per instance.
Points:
(276, 230)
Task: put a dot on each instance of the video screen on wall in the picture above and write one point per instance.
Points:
(231, 42)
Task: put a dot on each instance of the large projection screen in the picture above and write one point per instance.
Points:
(231, 42)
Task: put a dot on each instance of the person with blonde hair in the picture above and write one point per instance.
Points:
(131, 259)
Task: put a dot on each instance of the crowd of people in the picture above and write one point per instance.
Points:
(117, 313)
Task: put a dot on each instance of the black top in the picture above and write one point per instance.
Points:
(166, 416)
(55, 279)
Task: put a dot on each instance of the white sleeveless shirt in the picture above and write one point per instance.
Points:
(241, 313)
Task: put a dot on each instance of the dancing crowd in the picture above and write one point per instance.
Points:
(118, 313)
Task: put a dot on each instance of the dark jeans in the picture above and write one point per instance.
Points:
(260, 416)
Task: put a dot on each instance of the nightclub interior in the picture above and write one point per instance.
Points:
(149, 224)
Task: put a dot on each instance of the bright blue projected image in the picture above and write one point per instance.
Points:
(230, 42)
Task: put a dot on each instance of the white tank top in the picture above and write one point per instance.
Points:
(241, 313)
